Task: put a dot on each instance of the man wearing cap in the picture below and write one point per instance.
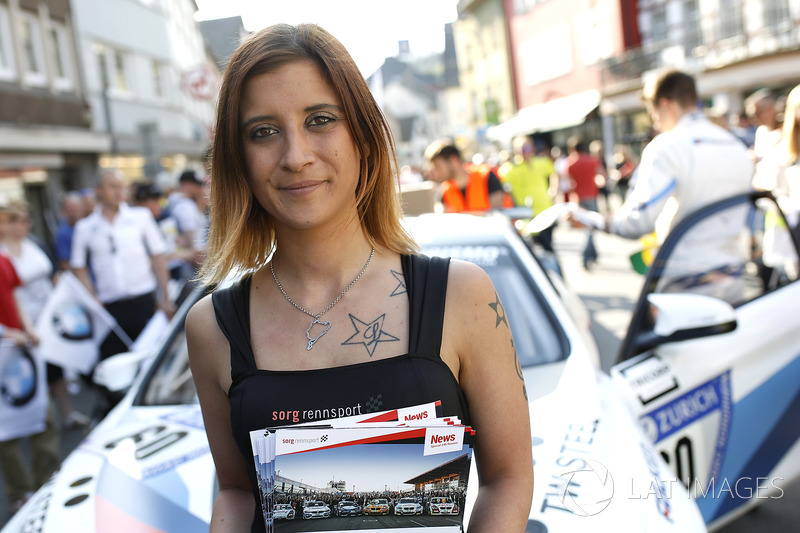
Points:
(150, 196)
(182, 205)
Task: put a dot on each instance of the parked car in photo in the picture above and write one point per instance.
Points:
(347, 508)
(408, 506)
(704, 390)
(316, 509)
(378, 506)
(283, 511)
(439, 505)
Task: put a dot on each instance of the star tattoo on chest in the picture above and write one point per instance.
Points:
(369, 334)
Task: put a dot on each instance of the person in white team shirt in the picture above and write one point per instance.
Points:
(691, 163)
(126, 251)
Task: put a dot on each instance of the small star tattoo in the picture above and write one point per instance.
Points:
(401, 287)
(501, 313)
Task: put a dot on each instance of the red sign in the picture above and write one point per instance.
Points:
(200, 83)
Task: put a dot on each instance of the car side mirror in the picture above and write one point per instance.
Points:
(682, 316)
(118, 371)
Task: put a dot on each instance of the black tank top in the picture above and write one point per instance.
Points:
(267, 398)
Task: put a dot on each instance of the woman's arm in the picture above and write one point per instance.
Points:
(477, 331)
(209, 357)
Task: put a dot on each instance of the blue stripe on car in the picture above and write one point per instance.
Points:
(763, 429)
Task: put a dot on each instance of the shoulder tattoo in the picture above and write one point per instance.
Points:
(500, 312)
(401, 283)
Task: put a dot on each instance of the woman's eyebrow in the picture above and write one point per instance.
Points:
(309, 109)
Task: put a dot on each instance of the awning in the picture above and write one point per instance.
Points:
(550, 116)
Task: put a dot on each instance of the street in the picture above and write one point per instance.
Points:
(609, 291)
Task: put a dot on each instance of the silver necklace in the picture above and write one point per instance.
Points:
(316, 317)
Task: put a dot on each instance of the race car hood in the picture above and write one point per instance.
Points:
(594, 469)
(148, 470)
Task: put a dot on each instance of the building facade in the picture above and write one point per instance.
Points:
(47, 144)
(150, 83)
(733, 48)
(484, 69)
(87, 84)
(557, 49)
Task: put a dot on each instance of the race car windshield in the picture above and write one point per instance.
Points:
(538, 337)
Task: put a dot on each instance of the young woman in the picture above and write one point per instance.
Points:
(36, 270)
(335, 309)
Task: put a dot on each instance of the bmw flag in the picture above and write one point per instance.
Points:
(23, 392)
(72, 326)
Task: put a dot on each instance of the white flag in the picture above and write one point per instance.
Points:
(23, 392)
(72, 326)
(152, 333)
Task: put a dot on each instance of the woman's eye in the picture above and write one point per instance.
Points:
(261, 132)
(321, 120)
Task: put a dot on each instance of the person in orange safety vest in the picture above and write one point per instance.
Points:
(465, 187)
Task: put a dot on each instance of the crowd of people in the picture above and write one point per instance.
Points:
(134, 248)
(693, 158)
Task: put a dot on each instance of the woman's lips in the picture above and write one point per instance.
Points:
(303, 186)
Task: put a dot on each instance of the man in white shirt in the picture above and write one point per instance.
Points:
(125, 249)
(690, 164)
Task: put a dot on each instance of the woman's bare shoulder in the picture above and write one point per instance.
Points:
(203, 335)
(467, 281)
(200, 316)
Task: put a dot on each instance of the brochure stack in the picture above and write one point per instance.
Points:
(400, 469)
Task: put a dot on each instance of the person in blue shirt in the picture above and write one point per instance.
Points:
(71, 212)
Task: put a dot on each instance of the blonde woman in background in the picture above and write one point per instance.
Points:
(779, 172)
(36, 270)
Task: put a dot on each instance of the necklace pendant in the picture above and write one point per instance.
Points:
(313, 340)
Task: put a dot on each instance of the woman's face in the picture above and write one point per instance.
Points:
(19, 224)
(301, 160)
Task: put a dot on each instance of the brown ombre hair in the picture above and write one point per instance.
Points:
(242, 234)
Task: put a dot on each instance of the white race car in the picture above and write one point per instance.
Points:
(316, 509)
(439, 505)
(704, 391)
(283, 511)
(408, 506)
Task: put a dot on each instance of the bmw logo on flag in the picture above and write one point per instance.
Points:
(73, 322)
(18, 378)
